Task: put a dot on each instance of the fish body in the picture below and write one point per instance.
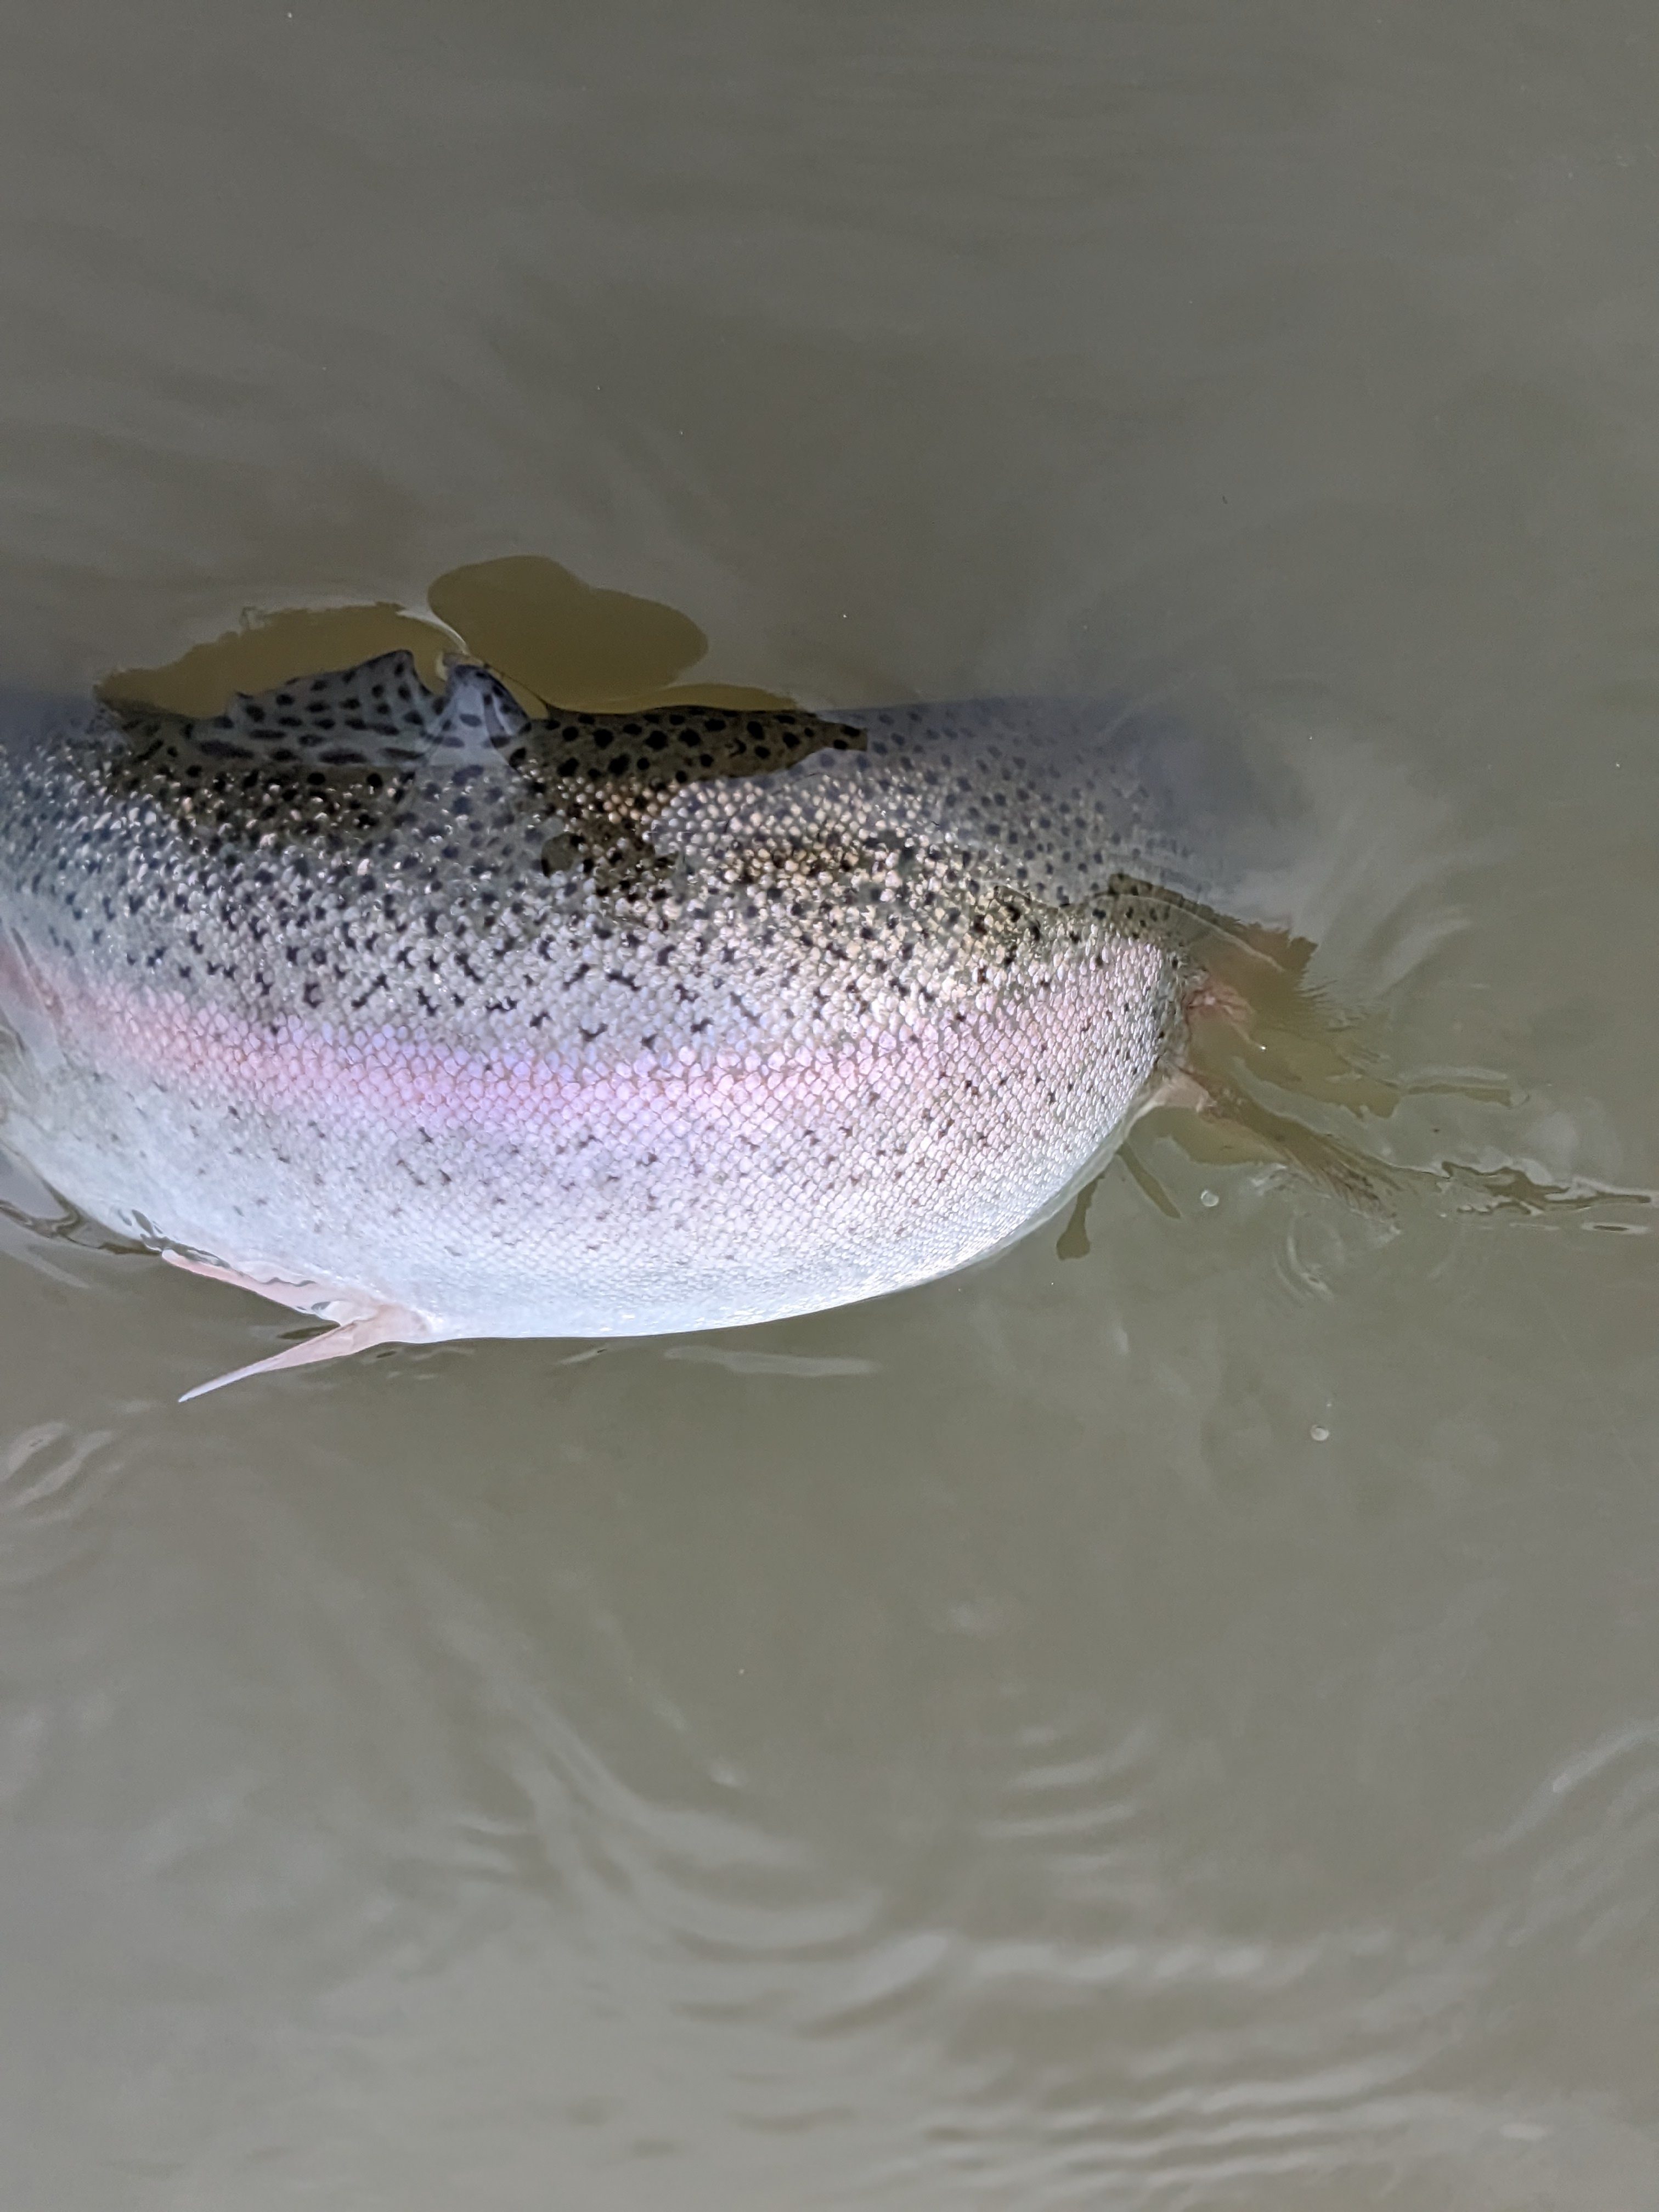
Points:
(581, 1026)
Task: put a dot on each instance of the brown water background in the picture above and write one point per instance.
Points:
(1176, 1727)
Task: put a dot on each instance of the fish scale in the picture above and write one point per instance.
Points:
(441, 1019)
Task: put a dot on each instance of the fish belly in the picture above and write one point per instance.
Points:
(497, 1192)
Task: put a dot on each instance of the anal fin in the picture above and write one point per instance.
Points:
(360, 1321)
(388, 1325)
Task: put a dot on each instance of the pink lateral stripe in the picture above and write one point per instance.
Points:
(377, 1075)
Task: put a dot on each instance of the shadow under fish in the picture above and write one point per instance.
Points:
(433, 1016)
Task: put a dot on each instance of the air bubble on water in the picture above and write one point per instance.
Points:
(1320, 1436)
(1209, 1198)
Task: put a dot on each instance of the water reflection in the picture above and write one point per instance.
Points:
(554, 640)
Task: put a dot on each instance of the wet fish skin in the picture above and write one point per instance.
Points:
(587, 1026)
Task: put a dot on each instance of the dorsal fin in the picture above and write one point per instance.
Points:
(379, 714)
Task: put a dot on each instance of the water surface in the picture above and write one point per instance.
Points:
(1173, 1725)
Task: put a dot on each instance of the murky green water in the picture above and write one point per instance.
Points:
(1177, 1725)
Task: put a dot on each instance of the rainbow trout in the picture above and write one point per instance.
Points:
(436, 1019)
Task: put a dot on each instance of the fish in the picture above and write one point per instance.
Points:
(433, 1016)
